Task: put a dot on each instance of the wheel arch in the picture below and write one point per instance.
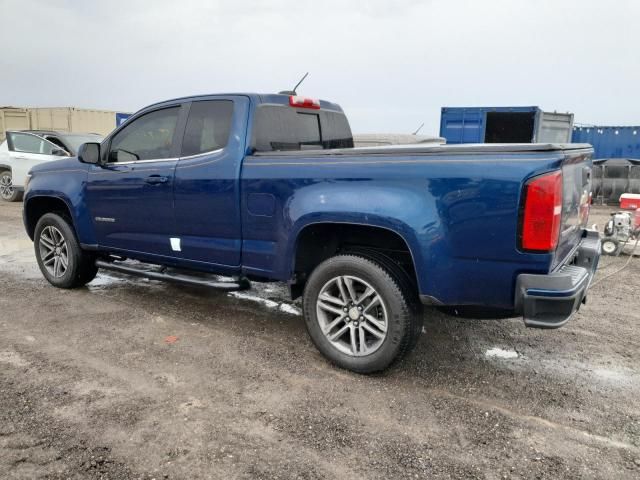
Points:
(316, 241)
(37, 206)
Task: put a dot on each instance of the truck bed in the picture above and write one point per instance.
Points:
(418, 149)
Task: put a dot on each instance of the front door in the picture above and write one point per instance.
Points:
(130, 196)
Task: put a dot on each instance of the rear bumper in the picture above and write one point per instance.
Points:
(549, 301)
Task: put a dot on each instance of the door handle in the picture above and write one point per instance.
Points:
(156, 179)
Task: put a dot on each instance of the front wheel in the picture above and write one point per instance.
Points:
(8, 192)
(61, 260)
(358, 315)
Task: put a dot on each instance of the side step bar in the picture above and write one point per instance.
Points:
(185, 279)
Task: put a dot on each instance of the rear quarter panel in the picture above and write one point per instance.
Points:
(457, 213)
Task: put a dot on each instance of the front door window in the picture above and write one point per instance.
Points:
(149, 137)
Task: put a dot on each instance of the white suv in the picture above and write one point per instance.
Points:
(24, 149)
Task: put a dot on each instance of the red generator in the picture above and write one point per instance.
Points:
(630, 201)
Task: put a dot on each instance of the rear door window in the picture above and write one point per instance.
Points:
(208, 127)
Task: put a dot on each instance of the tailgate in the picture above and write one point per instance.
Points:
(576, 178)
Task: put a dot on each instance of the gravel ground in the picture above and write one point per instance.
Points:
(129, 379)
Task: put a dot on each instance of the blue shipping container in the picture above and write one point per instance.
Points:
(121, 118)
(504, 125)
(610, 142)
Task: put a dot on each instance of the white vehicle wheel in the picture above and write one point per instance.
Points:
(7, 191)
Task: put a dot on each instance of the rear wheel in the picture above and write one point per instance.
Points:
(8, 192)
(61, 260)
(358, 315)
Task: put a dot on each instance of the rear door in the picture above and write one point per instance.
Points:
(27, 150)
(131, 196)
(207, 187)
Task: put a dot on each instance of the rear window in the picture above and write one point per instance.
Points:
(280, 128)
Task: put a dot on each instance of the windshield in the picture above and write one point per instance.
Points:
(74, 141)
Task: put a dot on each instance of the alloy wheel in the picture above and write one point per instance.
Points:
(6, 186)
(352, 315)
(53, 251)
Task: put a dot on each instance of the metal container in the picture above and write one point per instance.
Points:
(69, 119)
(60, 119)
(610, 141)
(13, 119)
(504, 125)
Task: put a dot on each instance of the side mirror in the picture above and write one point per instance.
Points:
(89, 153)
(58, 152)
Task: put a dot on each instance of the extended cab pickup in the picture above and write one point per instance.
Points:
(269, 187)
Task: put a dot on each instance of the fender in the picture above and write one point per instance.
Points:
(67, 185)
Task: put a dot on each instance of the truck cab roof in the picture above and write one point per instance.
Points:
(258, 98)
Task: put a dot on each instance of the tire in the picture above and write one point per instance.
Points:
(389, 321)
(7, 192)
(405, 281)
(61, 260)
(610, 246)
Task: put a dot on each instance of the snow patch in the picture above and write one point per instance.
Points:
(500, 353)
(287, 308)
(253, 298)
(104, 280)
(12, 358)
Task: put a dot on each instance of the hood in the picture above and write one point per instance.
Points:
(58, 165)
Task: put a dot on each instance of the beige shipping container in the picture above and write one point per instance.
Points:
(12, 118)
(75, 120)
(61, 119)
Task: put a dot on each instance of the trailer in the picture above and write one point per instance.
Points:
(504, 125)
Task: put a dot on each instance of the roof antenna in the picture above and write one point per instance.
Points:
(293, 92)
(418, 129)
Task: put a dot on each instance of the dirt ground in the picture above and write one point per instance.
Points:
(134, 379)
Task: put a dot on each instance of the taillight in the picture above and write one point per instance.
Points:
(304, 102)
(542, 213)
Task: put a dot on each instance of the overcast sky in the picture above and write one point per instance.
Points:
(390, 64)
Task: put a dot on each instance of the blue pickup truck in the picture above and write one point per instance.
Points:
(269, 187)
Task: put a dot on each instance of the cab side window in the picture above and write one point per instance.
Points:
(208, 127)
(29, 143)
(148, 137)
